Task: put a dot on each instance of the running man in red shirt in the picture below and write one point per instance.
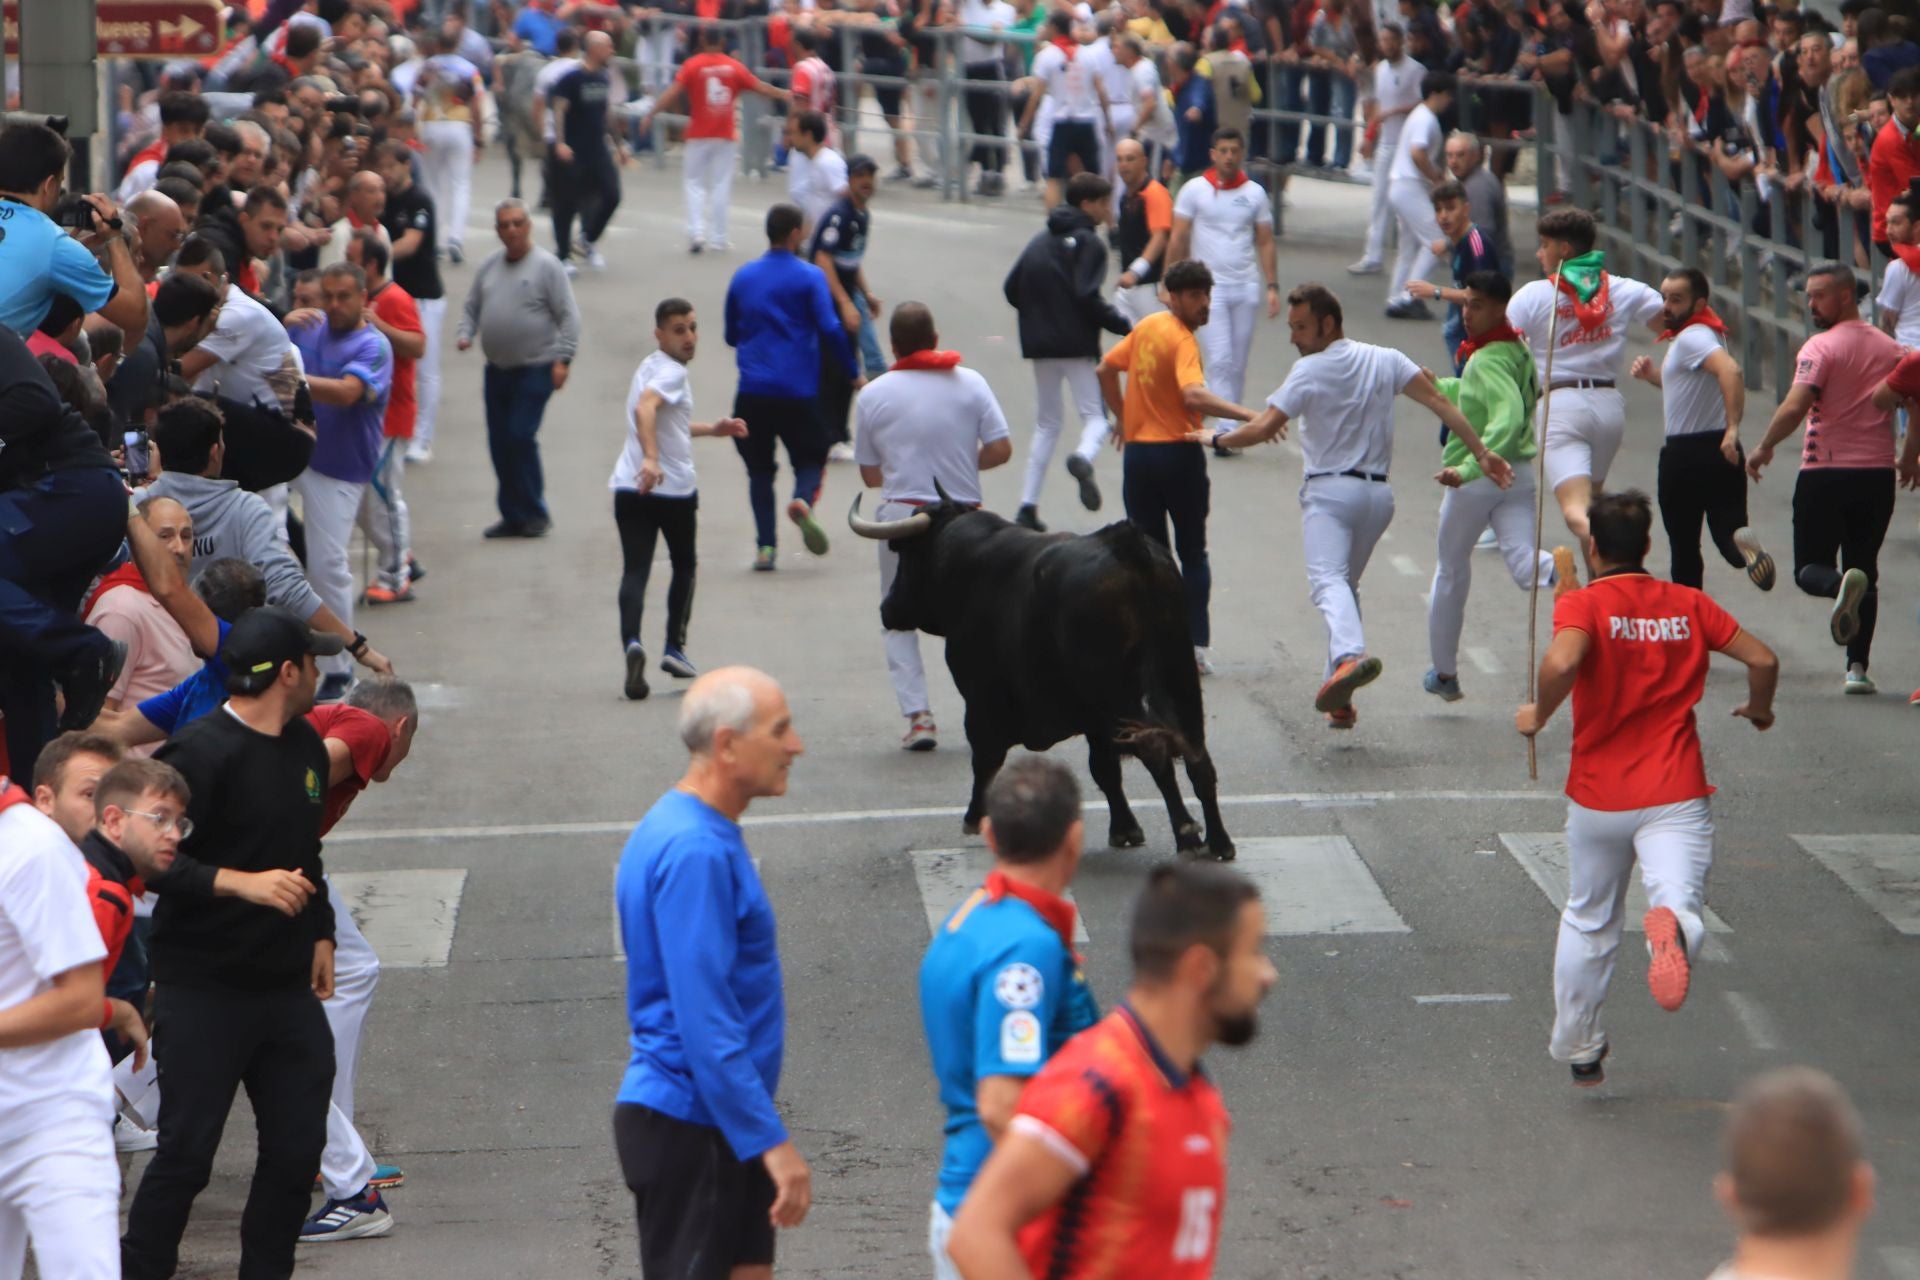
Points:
(711, 82)
(1633, 651)
(383, 508)
(1115, 1164)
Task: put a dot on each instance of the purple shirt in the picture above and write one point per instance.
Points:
(348, 436)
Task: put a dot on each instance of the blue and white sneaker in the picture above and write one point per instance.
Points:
(675, 662)
(1445, 688)
(361, 1218)
(386, 1177)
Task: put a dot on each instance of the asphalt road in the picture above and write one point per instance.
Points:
(1398, 1116)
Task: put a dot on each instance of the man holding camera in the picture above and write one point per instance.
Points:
(38, 256)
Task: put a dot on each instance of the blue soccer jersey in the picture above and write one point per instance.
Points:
(1000, 991)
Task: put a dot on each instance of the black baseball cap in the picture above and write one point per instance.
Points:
(863, 164)
(264, 638)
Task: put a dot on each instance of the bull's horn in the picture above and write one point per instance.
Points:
(940, 490)
(886, 530)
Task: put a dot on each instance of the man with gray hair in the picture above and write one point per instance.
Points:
(701, 1144)
(1486, 194)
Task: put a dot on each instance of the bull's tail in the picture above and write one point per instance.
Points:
(1138, 738)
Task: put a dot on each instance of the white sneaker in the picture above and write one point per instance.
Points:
(920, 733)
(419, 454)
(129, 1137)
(840, 452)
(1203, 659)
(1858, 682)
(1489, 541)
(1364, 268)
(571, 267)
(595, 258)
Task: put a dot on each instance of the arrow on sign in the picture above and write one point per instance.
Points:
(185, 29)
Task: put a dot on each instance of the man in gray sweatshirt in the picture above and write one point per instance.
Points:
(229, 521)
(522, 308)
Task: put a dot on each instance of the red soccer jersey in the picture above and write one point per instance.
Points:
(1151, 1147)
(1635, 744)
(396, 307)
(712, 82)
(368, 741)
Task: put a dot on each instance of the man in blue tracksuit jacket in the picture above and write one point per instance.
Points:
(702, 1148)
(779, 308)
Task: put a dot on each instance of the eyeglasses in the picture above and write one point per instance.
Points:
(182, 824)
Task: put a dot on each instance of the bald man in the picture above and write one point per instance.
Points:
(1145, 223)
(124, 607)
(1796, 1184)
(366, 201)
(701, 1143)
(159, 229)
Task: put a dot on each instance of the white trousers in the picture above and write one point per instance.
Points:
(1464, 512)
(329, 508)
(448, 169)
(1082, 379)
(1341, 519)
(346, 1165)
(1674, 846)
(1380, 212)
(904, 668)
(708, 181)
(939, 1229)
(276, 499)
(1226, 340)
(1138, 302)
(383, 515)
(1413, 207)
(426, 371)
(1583, 433)
(1122, 115)
(60, 1189)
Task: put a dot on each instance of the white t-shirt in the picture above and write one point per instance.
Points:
(1690, 395)
(814, 184)
(672, 429)
(1070, 82)
(1223, 227)
(1106, 69)
(1583, 353)
(985, 13)
(922, 425)
(46, 929)
(1396, 86)
(1342, 399)
(1422, 130)
(1157, 127)
(249, 347)
(1900, 294)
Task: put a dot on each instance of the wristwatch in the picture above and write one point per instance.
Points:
(359, 646)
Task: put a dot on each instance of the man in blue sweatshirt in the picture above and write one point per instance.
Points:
(710, 1165)
(779, 309)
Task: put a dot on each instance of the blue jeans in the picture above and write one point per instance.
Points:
(1330, 94)
(516, 398)
(868, 339)
(56, 535)
(1162, 483)
(1288, 87)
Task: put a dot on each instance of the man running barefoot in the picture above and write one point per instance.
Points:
(1633, 652)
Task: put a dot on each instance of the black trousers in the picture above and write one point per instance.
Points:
(702, 1211)
(1842, 512)
(587, 188)
(986, 108)
(1167, 483)
(642, 519)
(1697, 482)
(277, 1045)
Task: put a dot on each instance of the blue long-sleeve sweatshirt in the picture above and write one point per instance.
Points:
(704, 999)
(778, 309)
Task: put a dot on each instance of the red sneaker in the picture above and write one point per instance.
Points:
(1344, 717)
(1352, 674)
(377, 594)
(1668, 972)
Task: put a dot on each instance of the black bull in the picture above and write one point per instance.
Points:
(1053, 635)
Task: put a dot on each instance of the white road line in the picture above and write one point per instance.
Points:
(947, 876)
(1406, 564)
(1316, 884)
(1544, 856)
(408, 916)
(1483, 997)
(1299, 799)
(1754, 1020)
(1883, 870)
(1902, 1261)
(1484, 659)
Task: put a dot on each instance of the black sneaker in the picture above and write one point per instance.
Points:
(504, 529)
(1082, 470)
(1588, 1074)
(636, 672)
(536, 528)
(1029, 518)
(86, 684)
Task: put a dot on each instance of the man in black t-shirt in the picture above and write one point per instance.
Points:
(242, 954)
(839, 247)
(584, 181)
(413, 225)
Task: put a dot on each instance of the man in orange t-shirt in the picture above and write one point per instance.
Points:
(1162, 477)
(1633, 652)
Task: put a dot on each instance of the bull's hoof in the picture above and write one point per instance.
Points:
(1187, 836)
(971, 826)
(1126, 837)
(1221, 848)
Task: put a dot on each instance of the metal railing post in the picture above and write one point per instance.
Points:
(848, 107)
(1543, 156)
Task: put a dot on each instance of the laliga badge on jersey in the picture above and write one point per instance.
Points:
(1018, 986)
(1019, 1038)
(313, 786)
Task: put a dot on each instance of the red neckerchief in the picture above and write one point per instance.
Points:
(1213, 176)
(1056, 911)
(1239, 46)
(1592, 313)
(293, 72)
(1502, 332)
(127, 575)
(156, 152)
(1705, 316)
(1909, 254)
(11, 795)
(934, 360)
(1700, 108)
(354, 221)
(1065, 45)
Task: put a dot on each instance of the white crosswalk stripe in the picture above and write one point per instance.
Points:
(408, 916)
(947, 876)
(1543, 854)
(1883, 870)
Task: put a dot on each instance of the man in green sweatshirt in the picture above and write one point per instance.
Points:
(1496, 391)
